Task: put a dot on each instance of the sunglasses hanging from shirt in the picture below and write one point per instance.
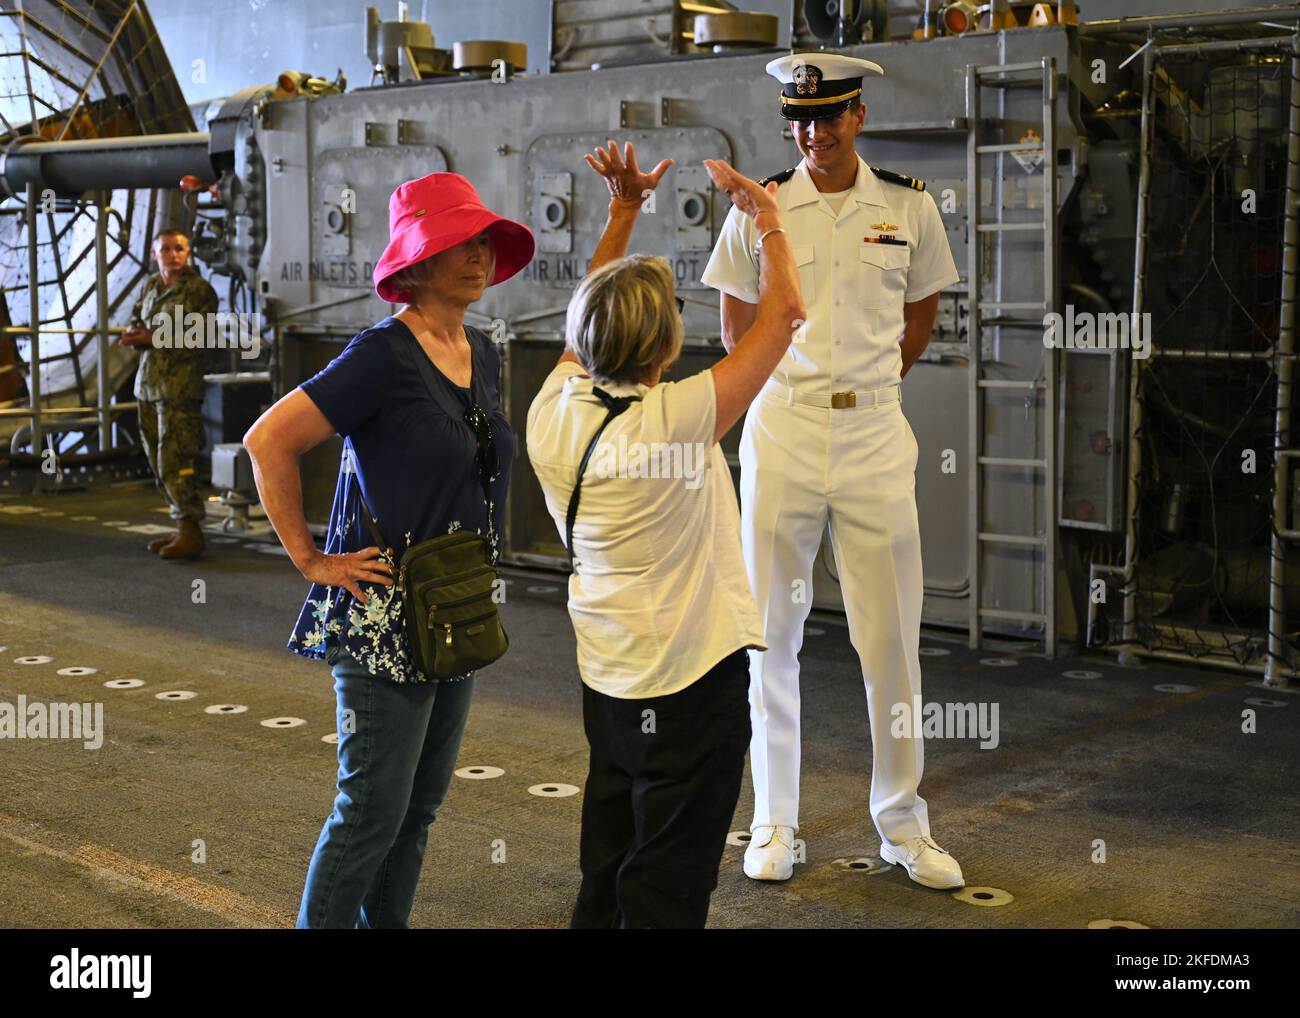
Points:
(446, 583)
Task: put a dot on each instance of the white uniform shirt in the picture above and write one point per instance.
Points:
(853, 290)
(660, 594)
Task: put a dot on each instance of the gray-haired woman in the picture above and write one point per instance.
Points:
(659, 596)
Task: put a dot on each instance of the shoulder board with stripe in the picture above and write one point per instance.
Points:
(780, 178)
(902, 179)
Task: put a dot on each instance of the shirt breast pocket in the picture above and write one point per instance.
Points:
(804, 258)
(883, 274)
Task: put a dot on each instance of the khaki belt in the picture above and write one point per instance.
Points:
(836, 400)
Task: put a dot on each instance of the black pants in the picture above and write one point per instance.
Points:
(660, 795)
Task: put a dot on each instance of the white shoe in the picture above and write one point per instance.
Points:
(770, 855)
(925, 862)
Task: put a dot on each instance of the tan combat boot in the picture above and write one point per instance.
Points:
(157, 544)
(187, 544)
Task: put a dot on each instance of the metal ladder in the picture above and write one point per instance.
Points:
(1015, 322)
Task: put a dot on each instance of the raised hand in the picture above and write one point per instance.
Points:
(747, 195)
(626, 181)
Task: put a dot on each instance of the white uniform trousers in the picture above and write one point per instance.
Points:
(801, 466)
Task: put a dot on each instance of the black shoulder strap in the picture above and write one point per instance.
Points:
(615, 405)
(902, 179)
(780, 178)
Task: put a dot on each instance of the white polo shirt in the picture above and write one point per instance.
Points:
(659, 594)
(853, 290)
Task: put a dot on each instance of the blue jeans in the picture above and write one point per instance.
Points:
(394, 768)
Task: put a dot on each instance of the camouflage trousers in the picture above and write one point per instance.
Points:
(172, 435)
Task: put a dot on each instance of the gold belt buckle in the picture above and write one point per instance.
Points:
(843, 400)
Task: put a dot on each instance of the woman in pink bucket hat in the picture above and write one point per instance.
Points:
(426, 451)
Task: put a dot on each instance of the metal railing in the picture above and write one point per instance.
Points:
(103, 412)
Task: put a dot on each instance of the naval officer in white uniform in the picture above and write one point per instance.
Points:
(826, 441)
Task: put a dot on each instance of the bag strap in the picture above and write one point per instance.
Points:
(366, 516)
(425, 371)
(615, 405)
(492, 542)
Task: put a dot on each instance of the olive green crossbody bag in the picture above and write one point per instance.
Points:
(449, 612)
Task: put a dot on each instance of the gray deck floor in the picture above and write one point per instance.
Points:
(1201, 823)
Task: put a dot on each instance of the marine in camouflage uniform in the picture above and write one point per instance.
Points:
(169, 391)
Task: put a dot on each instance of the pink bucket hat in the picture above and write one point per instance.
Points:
(437, 212)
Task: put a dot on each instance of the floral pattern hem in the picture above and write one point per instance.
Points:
(368, 626)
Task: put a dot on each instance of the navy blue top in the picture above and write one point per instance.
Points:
(407, 447)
